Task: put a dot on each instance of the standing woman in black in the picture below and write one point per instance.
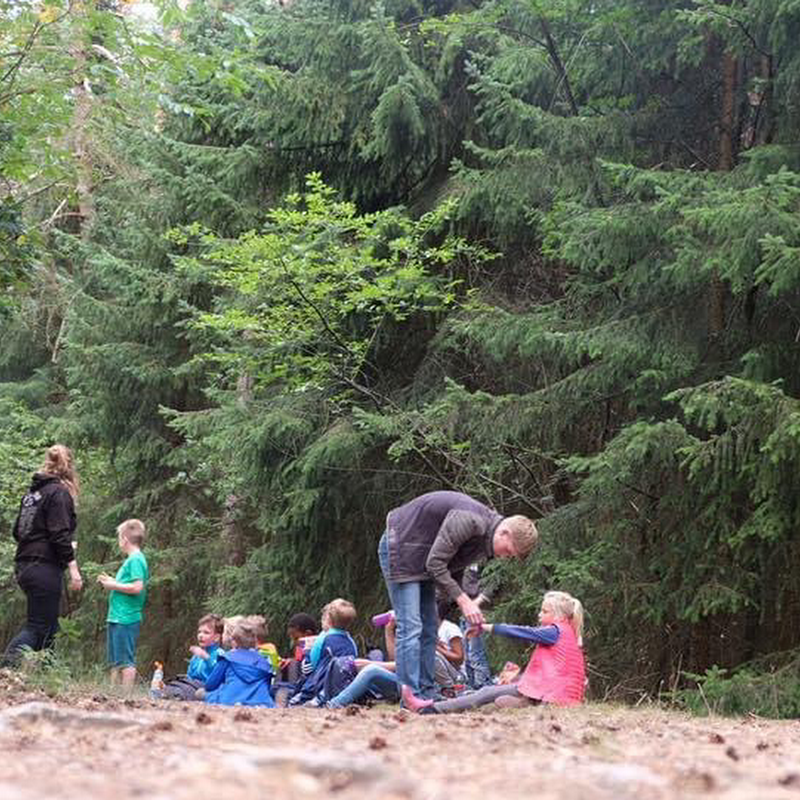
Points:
(45, 534)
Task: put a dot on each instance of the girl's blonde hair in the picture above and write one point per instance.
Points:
(567, 607)
(58, 463)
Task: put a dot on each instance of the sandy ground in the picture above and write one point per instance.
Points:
(101, 746)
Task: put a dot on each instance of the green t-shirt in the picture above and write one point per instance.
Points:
(127, 608)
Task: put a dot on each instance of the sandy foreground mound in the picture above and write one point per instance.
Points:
(98, 746)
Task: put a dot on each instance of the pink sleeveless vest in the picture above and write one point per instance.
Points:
(556, 674)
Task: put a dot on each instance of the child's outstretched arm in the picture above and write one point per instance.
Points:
(361, 663)
(389, 633)
(542, 634)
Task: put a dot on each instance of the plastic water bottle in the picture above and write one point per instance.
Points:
(381, 620)
(157, 681)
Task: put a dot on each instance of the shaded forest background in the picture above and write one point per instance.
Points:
(273, 269)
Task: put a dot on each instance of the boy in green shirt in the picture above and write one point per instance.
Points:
(125, 603)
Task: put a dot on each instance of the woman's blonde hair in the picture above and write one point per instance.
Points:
(58, 462)
(567, 607)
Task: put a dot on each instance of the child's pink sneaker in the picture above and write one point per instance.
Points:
(412, 702)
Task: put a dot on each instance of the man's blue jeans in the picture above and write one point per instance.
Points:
(414, 605)
(370, 679)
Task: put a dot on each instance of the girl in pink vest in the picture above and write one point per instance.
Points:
(555, 672)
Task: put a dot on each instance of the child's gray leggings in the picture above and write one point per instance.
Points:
(481, 698)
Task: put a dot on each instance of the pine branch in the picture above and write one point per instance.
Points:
(739, 24)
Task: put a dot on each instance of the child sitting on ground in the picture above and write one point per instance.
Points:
(265, 648)
(208, 648)
(555, 672)
(242, 676)
(376, 680)
(204, 658)
(449, 652)
(338, 617)
(300, 627)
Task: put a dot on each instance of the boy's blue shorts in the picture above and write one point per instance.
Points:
(122, 641)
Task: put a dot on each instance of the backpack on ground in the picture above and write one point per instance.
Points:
(340, 673)
(181, 687)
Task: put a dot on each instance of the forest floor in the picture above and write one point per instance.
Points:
(97, 745)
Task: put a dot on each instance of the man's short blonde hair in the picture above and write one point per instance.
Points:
(341, 613)
(132, 530)
(523, 533)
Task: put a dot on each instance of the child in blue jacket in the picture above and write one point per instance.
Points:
(334, 641)
(242, 676)
(207, 650)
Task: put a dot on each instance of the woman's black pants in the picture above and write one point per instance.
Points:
(42, 583)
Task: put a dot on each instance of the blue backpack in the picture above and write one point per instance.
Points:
(339, 674)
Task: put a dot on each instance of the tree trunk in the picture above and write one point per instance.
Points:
(563, 78)
(727, 116)
(232, 538)
(235, 545)
(717, 294)
(80, 138)
(764, 116)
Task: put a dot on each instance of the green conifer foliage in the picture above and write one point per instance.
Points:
(587, 314)
(296, 334)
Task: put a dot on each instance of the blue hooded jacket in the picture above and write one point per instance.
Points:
(241, 677)
(200, 669)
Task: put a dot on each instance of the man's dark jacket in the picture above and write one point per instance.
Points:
(436, 536)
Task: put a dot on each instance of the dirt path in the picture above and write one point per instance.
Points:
(101, 747)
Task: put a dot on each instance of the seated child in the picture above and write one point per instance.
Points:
(376, 680)
(242, 676)
(334, 641)
(300, 627)
(555, 672)
(265, 648)
(206, 652)
(204, 658)
(449, 651)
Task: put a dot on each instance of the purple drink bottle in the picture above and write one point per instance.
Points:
(380, 620)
